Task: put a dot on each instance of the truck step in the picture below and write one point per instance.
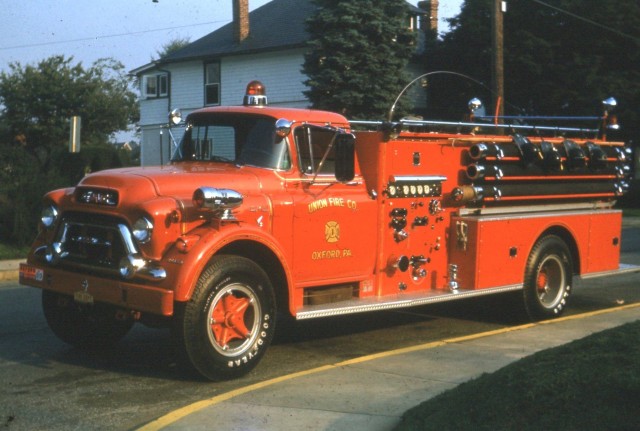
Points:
(400, 300)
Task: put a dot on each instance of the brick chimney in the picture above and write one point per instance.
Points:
(431, 7)
(240, 19)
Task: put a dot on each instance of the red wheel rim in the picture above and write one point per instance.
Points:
(233, 322)
(551, 281)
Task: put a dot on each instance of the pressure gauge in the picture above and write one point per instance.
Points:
(392, 190)
(413, 190)
(420, 189)
(405, 190)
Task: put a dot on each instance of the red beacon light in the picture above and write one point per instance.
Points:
(256, 94)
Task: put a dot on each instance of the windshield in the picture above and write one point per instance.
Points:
(233, 138)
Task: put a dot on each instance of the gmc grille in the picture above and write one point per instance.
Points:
(92, 242)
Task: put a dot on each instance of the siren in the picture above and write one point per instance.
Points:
(256, 94)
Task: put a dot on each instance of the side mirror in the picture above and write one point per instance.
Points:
(283, 128)
(345, 157)
(175, 117)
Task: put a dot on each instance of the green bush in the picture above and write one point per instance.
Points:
(23, 184)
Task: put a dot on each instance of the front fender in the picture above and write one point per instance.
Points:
(190, 265)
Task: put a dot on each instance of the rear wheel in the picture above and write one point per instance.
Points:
(548, 277)
(83, 326)
(228, 323)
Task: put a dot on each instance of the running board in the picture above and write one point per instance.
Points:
(401, 300)
(624, 268)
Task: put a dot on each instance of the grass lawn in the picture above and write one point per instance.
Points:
(12, 252)
(588, 384)
(631, 212)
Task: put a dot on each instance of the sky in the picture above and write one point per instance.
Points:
(130, 31)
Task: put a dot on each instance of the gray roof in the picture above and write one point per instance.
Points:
(276, 25)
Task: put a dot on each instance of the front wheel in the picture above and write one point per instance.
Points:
(83, 326)
(548, 275)
(228, 323)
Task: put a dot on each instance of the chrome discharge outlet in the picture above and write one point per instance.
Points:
(399, 262)
(453, 277)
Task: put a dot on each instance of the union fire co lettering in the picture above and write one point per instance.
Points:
(332, 202)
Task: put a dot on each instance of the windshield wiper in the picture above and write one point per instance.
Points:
(221, 159)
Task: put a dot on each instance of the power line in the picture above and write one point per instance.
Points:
(108, 36)
(581, 18)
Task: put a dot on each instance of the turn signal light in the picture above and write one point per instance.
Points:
(186, 242)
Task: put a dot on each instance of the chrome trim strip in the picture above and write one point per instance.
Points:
(540, 215)
(418, 178)
(624, 268)
(151, 272)
(40, 252)
(535, 208)
(127, 239)
(394, 301)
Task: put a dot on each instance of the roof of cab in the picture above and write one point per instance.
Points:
(291, 114)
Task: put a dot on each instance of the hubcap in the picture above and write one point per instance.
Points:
(550, 281)
(234, 320)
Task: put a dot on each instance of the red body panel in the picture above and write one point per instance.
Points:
(495, 249)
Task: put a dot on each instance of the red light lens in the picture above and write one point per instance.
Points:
(256, 95)
(255, 88)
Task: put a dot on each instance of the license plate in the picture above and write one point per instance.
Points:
(83, 297)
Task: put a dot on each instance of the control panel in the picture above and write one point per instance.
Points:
(415, 186)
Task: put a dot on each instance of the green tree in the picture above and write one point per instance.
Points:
(357, 56)
(35, 105)
(172, 46)
(37, 101)
(560, 59)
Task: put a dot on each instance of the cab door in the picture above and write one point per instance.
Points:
(334, 223)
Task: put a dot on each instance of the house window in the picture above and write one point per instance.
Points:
(212, 84)
(413, 22)
(156, 86)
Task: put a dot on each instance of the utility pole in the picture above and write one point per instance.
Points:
(499, 8)
(75, 128)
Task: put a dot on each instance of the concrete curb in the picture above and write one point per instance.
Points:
(9, 269)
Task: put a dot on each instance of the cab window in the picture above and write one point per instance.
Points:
(313, 143)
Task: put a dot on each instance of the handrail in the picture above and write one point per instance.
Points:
(539, 117)
(423, 123)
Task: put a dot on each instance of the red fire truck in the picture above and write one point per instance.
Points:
(267, 211)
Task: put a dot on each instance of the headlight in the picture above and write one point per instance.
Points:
(142, 230)
(48, 216)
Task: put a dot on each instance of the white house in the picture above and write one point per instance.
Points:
(267, 44)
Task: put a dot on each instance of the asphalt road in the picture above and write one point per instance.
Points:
(45, 384)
